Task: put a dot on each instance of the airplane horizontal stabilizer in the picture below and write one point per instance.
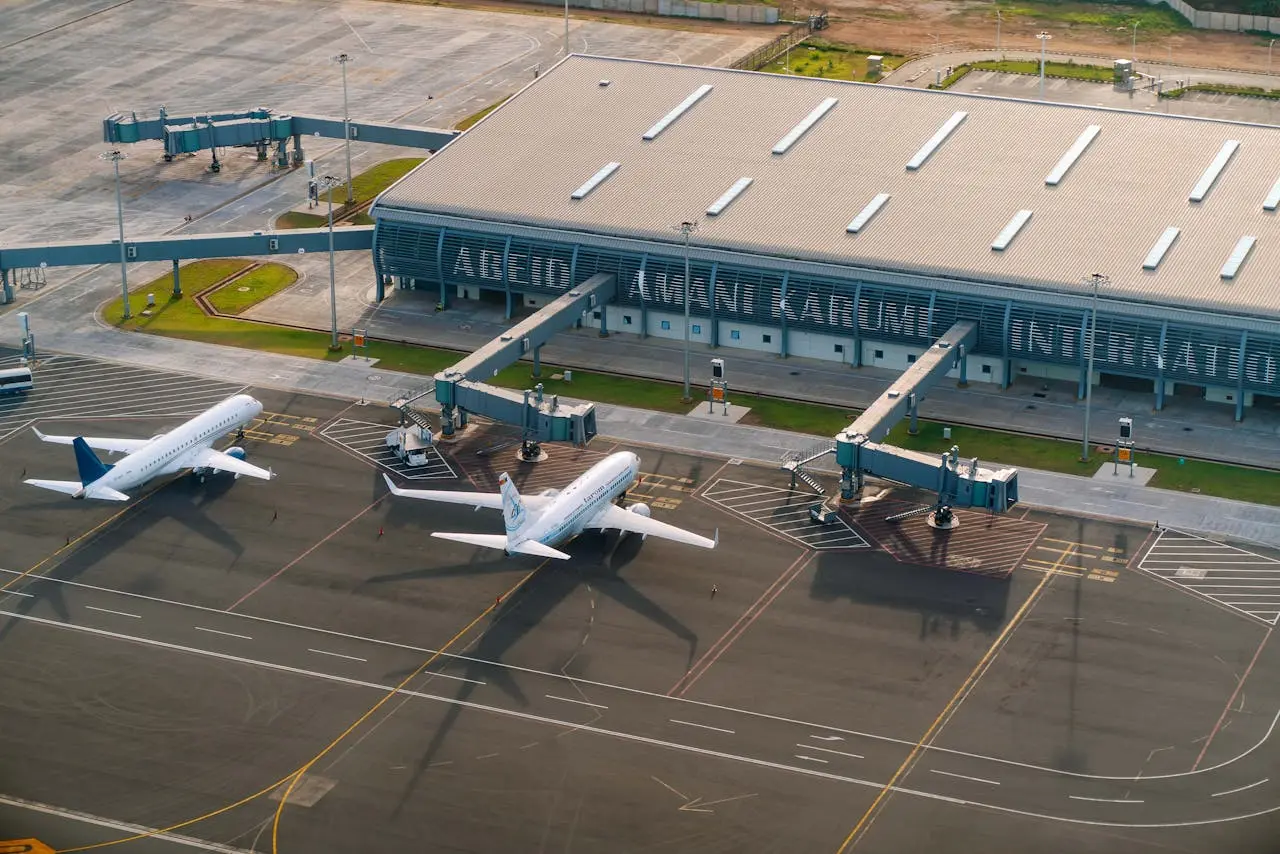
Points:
(499, 541)
(78, 490)
(533, 547)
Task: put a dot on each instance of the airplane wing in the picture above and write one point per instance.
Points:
(487, 500)
(211, 459)
(624, 520)
(115, 446)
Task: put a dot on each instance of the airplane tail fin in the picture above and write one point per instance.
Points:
(91, 468)
(513, 512)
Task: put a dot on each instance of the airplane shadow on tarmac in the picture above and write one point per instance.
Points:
(945, 599)
(598, 559)
(182, 499)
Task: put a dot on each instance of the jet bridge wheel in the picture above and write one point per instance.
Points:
(943, 519)
(530, 452)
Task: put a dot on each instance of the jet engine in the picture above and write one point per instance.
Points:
(640, 510)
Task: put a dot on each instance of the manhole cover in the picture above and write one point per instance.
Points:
(1190, 572)
(243, 290)
(373, 378)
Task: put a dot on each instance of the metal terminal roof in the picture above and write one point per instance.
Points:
(1126, 185)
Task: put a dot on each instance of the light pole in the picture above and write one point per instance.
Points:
(342, 59)
(1097, 280)
(115, 155)
(686, 229)
(566, 27)
(1044, 39)
(1135, 43)
(999, 21)
(1269, 46)
(326, 184)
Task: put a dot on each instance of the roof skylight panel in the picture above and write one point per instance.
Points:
(1211, 174)
(809, 121)
(1156, 255)
(1273, 198)
(938, 138)
(1011, 230)
(868, 212)
(1073, 154)
(1238, 255)
(665, 121)
(728, 197)
(595, 180)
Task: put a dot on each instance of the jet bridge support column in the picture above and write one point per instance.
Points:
(537, 361)
(177, 281)
(6, 291)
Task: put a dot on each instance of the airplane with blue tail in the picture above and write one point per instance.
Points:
(188, 446)
(536, 524)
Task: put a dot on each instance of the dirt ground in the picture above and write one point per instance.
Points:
(909, 26)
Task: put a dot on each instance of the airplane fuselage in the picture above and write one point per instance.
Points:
(168, 452)
(574, 509)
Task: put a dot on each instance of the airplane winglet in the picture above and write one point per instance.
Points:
(395, 490)
(716, 541)
(39, 435)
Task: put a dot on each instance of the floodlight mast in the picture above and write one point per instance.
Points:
(115, 155)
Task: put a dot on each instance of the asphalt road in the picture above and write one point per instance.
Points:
(183, 655)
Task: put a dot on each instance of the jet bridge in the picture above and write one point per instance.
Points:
(261, 128)
(859, 453)
(461, 389)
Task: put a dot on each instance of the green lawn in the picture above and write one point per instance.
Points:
(830, 61)
(470, 120)
(1113, 17)
(1098, 73)
(183, 318)
(252, 288)
(368, 184)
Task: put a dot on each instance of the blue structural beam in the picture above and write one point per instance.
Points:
(460, 390)
(192, 133)
(958, 485)
(182, 247)
(905, 395)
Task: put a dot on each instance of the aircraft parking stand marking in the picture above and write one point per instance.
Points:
(369, 440)
(1243, 581)
(72, 387)
(983, 544)
(785, 511)
(1092, 562)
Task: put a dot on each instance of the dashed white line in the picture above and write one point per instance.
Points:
(811, 759)
(965, 777)
(579, 702)
(16, 593)
(217, 632)
(1104, 800)
(829, 750)
(335, 654)
(1241, 789)
(827, 737)
(701, 726)
(109, 611)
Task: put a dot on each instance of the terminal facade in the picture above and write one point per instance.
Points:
(843, 318)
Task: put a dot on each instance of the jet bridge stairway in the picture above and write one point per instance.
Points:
(409, 414)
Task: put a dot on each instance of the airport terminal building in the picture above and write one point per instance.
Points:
(857, 222)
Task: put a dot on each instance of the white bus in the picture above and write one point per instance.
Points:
(14, 380)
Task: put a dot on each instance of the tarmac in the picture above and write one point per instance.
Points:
(182, 653)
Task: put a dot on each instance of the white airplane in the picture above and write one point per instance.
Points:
(537, 523)
(185, 447)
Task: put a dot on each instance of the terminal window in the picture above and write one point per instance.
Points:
(768, 339)
(879, 354)
(910, 359)
(626, 320)
(595, 315)
(666, 324)
(839, 348)
(697, 329)
(986, 369)
(734, 334)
